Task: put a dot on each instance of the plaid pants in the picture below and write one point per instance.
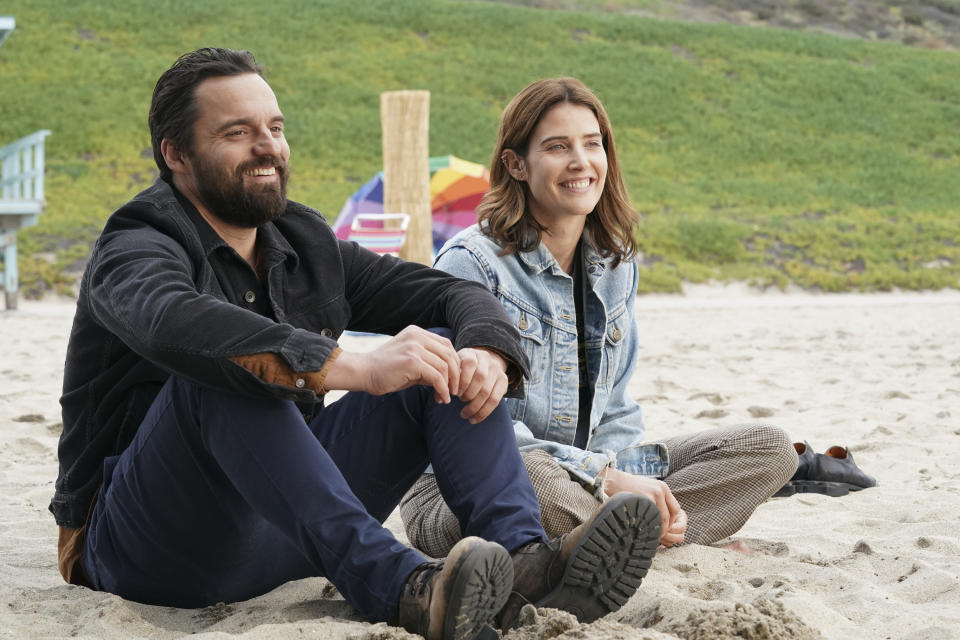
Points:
(719, 477)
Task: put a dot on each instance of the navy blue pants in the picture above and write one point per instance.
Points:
(222, 497)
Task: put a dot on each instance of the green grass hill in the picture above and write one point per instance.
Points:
(768, 155)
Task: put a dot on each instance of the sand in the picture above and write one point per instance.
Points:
(879, 373)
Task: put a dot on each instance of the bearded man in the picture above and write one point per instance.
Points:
(198, 462)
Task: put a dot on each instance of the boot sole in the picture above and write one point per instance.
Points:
(607, 566)
(481, 585)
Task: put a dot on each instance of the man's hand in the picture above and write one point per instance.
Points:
(413, 356)
(483, 381)
(673, 519)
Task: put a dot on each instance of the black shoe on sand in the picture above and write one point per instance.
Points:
(592, 570)
(805, 458)
(832, 473)
(457, 598)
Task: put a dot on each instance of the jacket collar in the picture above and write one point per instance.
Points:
(540, 259)
(275, 248)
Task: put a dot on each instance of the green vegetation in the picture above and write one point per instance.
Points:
(764, 155)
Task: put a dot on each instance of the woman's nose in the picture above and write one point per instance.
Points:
(578, 156)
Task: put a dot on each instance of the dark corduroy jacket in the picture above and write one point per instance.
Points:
(154, 302)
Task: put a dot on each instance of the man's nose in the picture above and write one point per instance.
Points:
(267, 143)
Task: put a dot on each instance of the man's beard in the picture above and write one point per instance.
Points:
(227, 197)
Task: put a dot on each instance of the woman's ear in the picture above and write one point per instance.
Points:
(514, 164)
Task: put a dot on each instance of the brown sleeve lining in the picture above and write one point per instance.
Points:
(273, 369)
(69, 552)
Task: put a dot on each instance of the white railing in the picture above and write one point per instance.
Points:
(21, 201)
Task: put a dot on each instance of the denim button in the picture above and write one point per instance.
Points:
(250, 296)
(523, 325)
(616, 335)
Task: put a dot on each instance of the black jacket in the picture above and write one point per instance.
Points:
(160, 297)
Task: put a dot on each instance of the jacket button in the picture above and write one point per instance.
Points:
(300, 382)
(616, 335)
(523, 325)
(326, 333)
(249, 296)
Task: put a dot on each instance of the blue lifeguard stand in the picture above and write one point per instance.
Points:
(21, 192)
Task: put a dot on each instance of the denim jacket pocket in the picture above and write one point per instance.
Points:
(534, 334)
(613, 346)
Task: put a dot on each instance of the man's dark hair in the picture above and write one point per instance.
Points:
(173, 109)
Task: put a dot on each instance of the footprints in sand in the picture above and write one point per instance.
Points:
(29, 441)
(30, 417)
(712, 398)
(862, 547)
(28, 448)
(717, 412)
(712, 414)
(724, 582)
(716, 399)
(891, 395)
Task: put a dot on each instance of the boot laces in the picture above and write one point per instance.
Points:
(422, 577)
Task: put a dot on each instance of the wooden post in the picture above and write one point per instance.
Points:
(405, 123)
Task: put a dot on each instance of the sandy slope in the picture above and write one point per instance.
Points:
(879, 373)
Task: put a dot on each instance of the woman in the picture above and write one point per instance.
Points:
(555, 243)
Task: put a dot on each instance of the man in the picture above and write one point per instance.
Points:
(198, 462)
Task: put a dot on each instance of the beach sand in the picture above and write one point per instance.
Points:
(879, 373)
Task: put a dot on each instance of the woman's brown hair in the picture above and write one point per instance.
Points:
(504, 208)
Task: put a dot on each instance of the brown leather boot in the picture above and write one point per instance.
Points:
(592, 570)
(455, 599)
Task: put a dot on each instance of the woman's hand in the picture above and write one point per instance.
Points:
(483, 381)
(673, 519)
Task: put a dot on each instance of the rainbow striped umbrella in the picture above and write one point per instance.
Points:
(456, 187)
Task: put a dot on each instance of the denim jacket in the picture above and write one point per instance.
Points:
(538, 297)
(154, 301)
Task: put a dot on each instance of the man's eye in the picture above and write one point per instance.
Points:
(236, 132)
(276, 129)
(556, 147)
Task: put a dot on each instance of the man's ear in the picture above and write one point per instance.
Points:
(514, 164)
(172, 156)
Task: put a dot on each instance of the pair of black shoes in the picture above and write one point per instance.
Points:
(589, 572)
(832, 473)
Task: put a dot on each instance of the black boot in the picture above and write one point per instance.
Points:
(592, 570)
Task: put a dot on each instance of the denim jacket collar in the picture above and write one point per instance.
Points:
(540, 260)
